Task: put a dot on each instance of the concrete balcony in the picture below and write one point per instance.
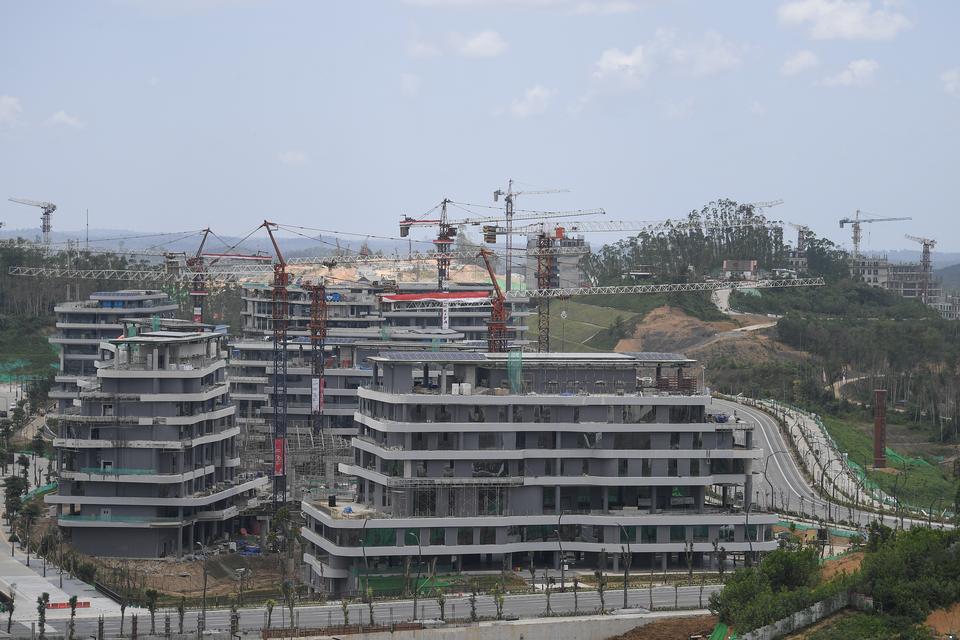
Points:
(205, 498)
(121, 522)
(132, 475)
(78, 443)
(321, 568)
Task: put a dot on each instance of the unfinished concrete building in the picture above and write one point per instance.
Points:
(149, 463)
(82, 325)
(491, 461)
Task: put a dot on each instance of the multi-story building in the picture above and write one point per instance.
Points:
(563, 266)
(906, 279)
(149, 463)
(82, 325)
(487, 461)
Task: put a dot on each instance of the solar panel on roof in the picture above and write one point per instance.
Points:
(420, 356)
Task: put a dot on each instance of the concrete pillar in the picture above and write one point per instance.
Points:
(663, 561)
(747, 491)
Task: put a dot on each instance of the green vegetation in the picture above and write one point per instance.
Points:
(691, 248)
(587, 327)
(907, 573)
(786, 581)
(916, 481)
(865, 625)
(24, 347)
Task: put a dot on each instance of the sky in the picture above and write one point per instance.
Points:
(182, 114)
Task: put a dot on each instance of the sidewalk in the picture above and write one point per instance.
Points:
(28, 583)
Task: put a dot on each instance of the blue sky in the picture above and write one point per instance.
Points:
(182, 114)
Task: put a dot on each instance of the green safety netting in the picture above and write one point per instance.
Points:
(515, 371)
(719, 632)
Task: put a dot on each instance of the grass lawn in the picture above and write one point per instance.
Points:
(24, 349)
(586, 327)
(922, 482)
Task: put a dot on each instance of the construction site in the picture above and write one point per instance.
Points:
(309, 326)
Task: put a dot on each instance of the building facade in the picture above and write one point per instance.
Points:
(149, 463)
(83, 325)
(491, 461)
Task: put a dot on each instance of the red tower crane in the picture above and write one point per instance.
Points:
(280, 315)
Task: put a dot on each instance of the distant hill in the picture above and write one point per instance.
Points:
(951, 277)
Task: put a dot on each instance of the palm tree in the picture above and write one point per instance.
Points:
(10, 609)
(42, 601)
(152, 595)
(73, 615)
(271, 603)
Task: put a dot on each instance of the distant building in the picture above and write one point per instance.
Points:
(564, 265)
(83, 325)
(740, 269)
(903, 278)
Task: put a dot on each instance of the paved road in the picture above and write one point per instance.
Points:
(523, 606)
(784, 474)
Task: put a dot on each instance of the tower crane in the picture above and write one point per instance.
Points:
(926, 265)
(547, 237)
(858, 220)
(497, 327)
(447, 230)
(508, 198)
(280, 316)
(48, 209)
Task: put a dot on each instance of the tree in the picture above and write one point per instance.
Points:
(73, 615)
(152, 595)
(473, 601)
(289, 596)
(24, 463)
(42, 601)
(369, 594)
(182, 611)
(270, 604)
(498, 600)
(123, 612)
(10, 608)
(576, 590)
(345, 607)
(441, 603)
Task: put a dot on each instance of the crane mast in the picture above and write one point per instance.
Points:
(858, 220)
(926, 265)
(279, 317)
(497, 326)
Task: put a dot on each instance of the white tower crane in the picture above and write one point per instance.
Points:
(48, 209)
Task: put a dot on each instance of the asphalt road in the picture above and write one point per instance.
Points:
(523, 606)
(785, 476)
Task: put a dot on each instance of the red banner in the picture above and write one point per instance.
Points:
(279, 454)
(66, 605)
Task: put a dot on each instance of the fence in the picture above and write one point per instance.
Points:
(812, 614)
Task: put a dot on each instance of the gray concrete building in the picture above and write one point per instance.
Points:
(148, 464)
(83, 325)
(481, 461)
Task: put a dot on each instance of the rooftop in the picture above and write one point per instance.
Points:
(640, 358)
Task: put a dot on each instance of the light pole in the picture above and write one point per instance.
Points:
(563, 573)
(203, 611)
(416, 586)
(363, 549)
(765, 465)
(627, 561)
(241, 572)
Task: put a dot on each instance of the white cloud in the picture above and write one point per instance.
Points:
(410, 84)
(10, 110)
(62, 118)
(535, 101)
(757, 109)
(485, 44)
(630, 68)
(951, 81)
(292, 158)
(421, 49)
(844, 19)
(858, 73)
(799, 62)
(707, 56)
(713, 54)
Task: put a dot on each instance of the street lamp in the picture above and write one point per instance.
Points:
(416, 587)
(563, 573)
(363, 549)
(627, 561)
(203, 613)
(766, 463)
